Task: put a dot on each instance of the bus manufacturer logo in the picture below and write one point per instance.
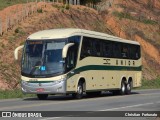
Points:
(107, 61)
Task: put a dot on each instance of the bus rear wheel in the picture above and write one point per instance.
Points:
(122, 91)
(42, 96)
(79, 93)
(129, 88)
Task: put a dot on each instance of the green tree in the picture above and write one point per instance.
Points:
(94, 2)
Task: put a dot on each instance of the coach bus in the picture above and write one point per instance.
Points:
(78, 62)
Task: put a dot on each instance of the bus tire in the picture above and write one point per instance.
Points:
(122, 91)
(129, 87)
(79, 93)
(42, 96)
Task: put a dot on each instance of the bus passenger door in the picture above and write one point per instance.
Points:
(71, 60)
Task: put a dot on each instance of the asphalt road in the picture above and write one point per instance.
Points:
(139, 100)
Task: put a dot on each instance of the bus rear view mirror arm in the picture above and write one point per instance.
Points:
(65, 49)
(16, 51)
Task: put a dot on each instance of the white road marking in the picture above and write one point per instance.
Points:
(127, 107)
(52, 118)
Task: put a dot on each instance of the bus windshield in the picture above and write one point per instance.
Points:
(42, 58)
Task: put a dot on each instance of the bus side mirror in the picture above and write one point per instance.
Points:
(16, 52)
(65, 49)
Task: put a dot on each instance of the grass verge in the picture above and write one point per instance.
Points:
(151, 84)
(17, 93)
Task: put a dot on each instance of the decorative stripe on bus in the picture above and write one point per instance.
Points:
(95, 67)
(102, 67)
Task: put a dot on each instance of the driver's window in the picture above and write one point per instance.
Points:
(72, 52)
(71, 58)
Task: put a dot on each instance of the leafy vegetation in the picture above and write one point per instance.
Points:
(62, 8)
(66, 6)
(40, 10)
(17, 93)
(6, 3)
(90, 1)
(129, 16)
(151, 84)
(19, 30)
(123, 15)
(152, 22)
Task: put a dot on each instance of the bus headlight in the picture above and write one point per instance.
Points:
(58, 81)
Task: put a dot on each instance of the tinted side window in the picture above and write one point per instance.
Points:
(71, 58)
(125, 51)
(74, 50)
(107, 48)
(138, 52)
(86, 49)
(135, 52)
(116, 50)
(96, 47)
(74, 39)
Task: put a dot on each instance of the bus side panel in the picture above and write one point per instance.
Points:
(138, 81)
(100, 76)
(71, 85)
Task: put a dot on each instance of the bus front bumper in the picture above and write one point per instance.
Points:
(54, 87)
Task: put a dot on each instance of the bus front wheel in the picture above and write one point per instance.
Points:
(42, 96)
(79, 93)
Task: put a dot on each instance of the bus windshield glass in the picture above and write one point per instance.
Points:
(42, 58)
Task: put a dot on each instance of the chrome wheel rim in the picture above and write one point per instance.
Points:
(128, 86)
(79, 90)
(123, 88)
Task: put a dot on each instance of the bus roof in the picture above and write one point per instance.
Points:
(67, 32)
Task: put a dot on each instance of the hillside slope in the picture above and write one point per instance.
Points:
(129, 19)
(138, 20)
(53, 16)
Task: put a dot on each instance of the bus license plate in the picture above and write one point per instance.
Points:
(40, 89)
